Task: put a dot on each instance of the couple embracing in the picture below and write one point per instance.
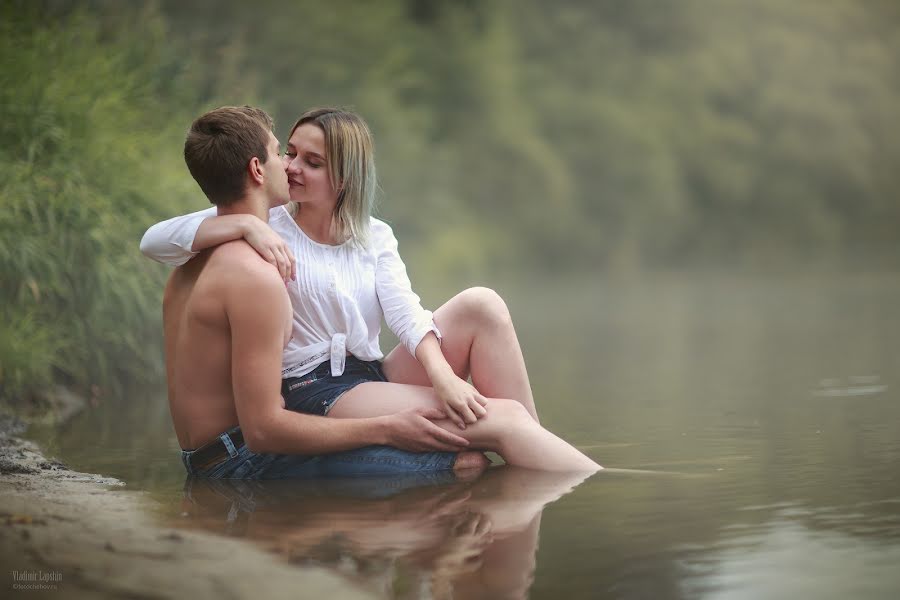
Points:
(274, 367)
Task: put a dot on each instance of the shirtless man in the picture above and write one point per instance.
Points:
(227, 318)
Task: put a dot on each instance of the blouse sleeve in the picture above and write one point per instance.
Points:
(170, 242)
(402, 308)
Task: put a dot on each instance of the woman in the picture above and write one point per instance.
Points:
(349, 275)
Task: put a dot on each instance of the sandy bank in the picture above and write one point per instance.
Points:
(65, 534)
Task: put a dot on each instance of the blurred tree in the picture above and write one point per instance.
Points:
(512, 137)
(88, 157)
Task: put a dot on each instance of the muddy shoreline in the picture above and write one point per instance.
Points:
(65, 534)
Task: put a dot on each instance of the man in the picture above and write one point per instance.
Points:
(227, 318)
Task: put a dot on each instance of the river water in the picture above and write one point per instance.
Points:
(751, 427)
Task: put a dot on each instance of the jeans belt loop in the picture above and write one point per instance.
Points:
(338, 354)
(229, 445)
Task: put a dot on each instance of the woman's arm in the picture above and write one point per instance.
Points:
(415, 327)
(171, 242)
(401, 306)
(177, 240)
(462, 402)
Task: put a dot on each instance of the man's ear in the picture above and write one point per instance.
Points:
(255, 170)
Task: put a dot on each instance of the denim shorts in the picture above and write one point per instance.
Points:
(317, 391)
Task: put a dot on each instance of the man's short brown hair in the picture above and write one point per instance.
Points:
(219, 147)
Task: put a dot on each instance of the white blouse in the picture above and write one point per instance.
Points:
(339, 296)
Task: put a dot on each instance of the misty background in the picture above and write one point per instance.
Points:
(518, 143)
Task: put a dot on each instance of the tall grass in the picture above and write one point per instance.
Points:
(87, 159)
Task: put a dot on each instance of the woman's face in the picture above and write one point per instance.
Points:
(306, 167)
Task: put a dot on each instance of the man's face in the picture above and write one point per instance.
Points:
(276, 185)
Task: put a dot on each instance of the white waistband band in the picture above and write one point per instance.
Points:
(338, 354)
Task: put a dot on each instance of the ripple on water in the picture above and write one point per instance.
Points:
(832, 552)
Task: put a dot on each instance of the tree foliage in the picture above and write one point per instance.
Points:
(88, 159)
(516, 137)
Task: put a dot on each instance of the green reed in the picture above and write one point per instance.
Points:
(88, 160)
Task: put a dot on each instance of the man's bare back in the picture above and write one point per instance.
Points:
(199, 336)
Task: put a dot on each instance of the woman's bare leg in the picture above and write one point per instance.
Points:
(511, 497)
(506, 429)
(507, 567)
(479, 340)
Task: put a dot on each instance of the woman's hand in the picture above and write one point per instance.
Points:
(271, 247)
(462, 402)
(459, 398)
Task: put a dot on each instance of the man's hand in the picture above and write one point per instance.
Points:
(461, 400)
(414, 431)
(271, 247)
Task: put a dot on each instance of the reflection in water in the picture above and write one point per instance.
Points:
(431, 536)
(777, 400)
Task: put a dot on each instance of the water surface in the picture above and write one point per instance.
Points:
(752, 427)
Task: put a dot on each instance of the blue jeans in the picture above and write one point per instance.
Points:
(366, 461)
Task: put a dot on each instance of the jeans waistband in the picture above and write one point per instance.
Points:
(225, 446)
(351, 364)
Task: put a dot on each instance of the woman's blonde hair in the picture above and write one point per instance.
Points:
(350, 152)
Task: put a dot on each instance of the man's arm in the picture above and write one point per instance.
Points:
(256, 307)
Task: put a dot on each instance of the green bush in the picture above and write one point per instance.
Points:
(88, 158)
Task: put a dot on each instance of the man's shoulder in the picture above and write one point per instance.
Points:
(242, 262)
(237, 253)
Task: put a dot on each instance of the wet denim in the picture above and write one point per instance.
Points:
(317, 391)
(365, 461)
